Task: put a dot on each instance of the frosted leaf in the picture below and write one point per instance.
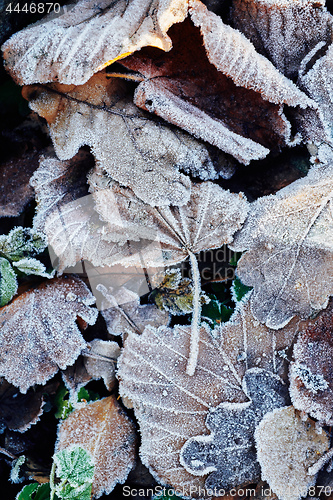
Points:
(175, 87)
(18, 412)
(102, 429)
(172, 406)
(66, 215)
(255, 344)
(175, 294)
(209, 220)
(283, 30)
(287, 447)
(100, 358)
(39, 334)
(90, 35)
(311, 383)
(228, 454)
(318, 83)
(74, 465)
(8, 282)
(22, 242)
(123, 313)
(32, 266)
(134, 149)
(289, 241)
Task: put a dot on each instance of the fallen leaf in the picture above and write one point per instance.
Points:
(288, 237)
(287, 449)
(181, 231)
(102, 429)
(175, 87)
(39, 334)
(18, 412)
(228, 454)
(88, 36)
(100, 358)
(172, 406)
(101, 114)
(311, 382)
(123, 313)
(285, 32)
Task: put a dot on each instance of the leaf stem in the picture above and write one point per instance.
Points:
(52, 486)
(196, 316)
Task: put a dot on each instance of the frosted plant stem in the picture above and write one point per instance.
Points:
(52, 486)
(196, 316)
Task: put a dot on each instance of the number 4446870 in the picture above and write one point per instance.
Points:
(34, 8)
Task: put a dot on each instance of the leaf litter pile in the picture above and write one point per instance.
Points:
(166, 251)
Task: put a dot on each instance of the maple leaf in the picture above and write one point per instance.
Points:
(228, 453)
(288, 237)
(311, 383)
(288, 448)
(102, 429)
(89, 36)
(274, 29)
(172, 406)
(38, 331)
(101, 114)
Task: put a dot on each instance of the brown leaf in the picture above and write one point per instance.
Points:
(283, 31)
(171, 406)
(239, 111)
(101, 114)
(102, 429)
(123, 313)
(289, 241)
(39, 334)
(100, 359)
(18, 412)
(288, 447)
(88, 36)
(311, 374)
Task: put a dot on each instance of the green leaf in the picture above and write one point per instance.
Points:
(22, 242)
(216, 312)
(75, 466)
(27, 491)
(32, 266)
(87, 395)
(64, 406)
(81, 493)
(43, 492)
(239, 290)
(8, 282)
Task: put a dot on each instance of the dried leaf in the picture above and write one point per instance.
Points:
(311, 383)
(283, 31)
(171, 406)
(175, 87)
(100, 358)
(123, 313)
(87, 37)
(288, 237)
(101, 114)
(181, 232)
(18, 412)
(228, 454)
(38, 331)
(287, 449)
(102, 429)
